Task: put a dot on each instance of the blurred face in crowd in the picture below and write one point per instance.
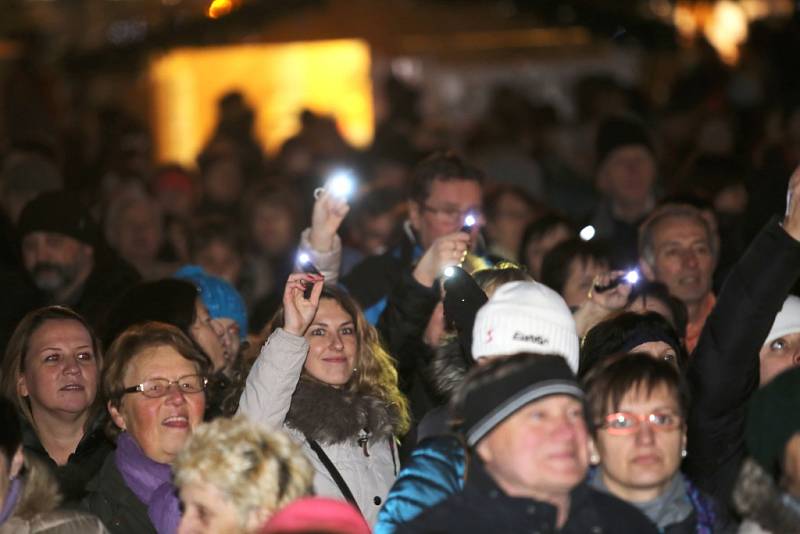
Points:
(375, 233)
(643, 304)
(219, 258)
(628, 175)
(537, 249)
(582, 272)
(272, 229)
(206, 509)
(333, 344)
(223, 182)
(511, 215)
(540, 451)
(779, 355)
(60, 369)
(208, 333)
(58, 264)
(139, 233)
(684, 260)
(640, 444)
(159, 425)
(444, 210)
(231, 336)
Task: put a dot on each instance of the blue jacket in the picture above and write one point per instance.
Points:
(433, 472)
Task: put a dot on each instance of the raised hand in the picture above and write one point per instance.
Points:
(612, 299)
(445, 251)
(298, 311)
(791, 222)
(328, 214)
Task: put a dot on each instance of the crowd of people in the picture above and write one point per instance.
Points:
(407, 338)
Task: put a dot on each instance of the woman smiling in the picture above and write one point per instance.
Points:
(323, 375)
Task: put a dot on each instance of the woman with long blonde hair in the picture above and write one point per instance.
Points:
(323, 376)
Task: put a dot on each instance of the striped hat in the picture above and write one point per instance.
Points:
(534, 376)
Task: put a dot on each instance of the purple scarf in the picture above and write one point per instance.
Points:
(151, 482)
(12, 497)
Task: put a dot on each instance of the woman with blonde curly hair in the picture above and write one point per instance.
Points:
(323, 376)
(233, 474)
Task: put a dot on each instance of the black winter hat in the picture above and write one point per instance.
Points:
(616, 132)
(487, 405)
(59, 212)
(773, 418)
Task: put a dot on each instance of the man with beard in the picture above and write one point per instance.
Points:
(65, 259)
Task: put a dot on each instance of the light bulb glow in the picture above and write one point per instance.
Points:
(303, 258)
(449, 271)
(470, 220)
(341, 184)
(587, 232)
(632, 276)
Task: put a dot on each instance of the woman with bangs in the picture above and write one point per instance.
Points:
(51, 372)
(323, 376)
(637, 412)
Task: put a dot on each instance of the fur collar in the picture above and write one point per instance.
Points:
(329, 415)
(759, 499)
(447, 368)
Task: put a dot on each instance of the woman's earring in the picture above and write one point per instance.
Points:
(594, 458)
(683, 453)
(355, 369)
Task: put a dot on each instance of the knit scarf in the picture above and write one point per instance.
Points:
(14, 491)
(151, 482)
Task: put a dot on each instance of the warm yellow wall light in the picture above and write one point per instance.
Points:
(327, 77)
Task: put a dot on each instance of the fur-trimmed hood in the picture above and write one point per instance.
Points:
(330, 415)
(759, 499)
(447, 368)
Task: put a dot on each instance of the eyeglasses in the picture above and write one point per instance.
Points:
(158, 387)
(624, 423)
(451, 213)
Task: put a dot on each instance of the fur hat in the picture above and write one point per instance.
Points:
(221, 298)
(525, 317)
(787, 321)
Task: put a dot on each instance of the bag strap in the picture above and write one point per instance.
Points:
(337, 477)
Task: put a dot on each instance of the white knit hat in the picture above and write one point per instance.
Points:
(787, 321)
(525, 317)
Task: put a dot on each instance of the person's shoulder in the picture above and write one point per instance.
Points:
(450, 515)
(616, 514)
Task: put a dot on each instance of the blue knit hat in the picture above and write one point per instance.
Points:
(221, 298)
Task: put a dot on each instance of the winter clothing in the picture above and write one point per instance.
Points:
(525, 317)
(355, 431)
(433, 472)
(316, 514)
(787, 321)
(110, 499)
(221, 298)
(29, 508)
(150, 481)
(681, 509)
(484, 507)
(58, 212)
(764, 506)
(695, 328)
(773, 418)
(486, 406)
(618, 132)
(82, 465)
(724, 370)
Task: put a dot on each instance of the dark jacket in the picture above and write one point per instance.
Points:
(110, 499)
(482, 507)
(724, 369)
(81, 466)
